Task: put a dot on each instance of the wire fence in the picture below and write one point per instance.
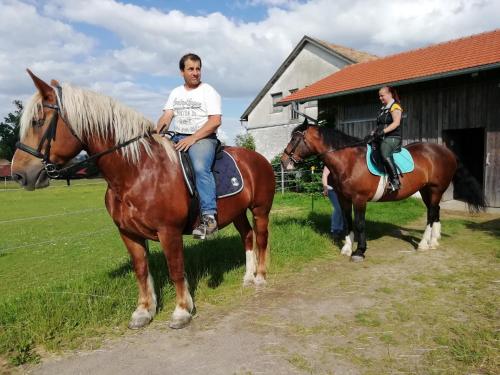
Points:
(306, 179)
(303, 180)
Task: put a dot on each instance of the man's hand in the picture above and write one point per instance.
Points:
(184, 144)
(325, 190)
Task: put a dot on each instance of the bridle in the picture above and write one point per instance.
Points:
(299, 137)
(52, 169)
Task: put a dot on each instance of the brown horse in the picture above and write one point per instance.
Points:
(146, 196)
(435, 167)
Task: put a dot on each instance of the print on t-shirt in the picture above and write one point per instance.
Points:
(192, 107)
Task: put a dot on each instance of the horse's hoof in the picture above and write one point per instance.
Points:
(260, 281)
(180, 318)
(248, 280)
(423, 246)
(179, 323)
(357, 258)
(140, 319)
(346, 251)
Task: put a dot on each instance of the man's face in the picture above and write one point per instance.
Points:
(192, 73)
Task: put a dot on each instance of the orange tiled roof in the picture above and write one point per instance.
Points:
(456, 55)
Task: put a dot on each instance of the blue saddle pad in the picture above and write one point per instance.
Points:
(228, 180)
(403, 160)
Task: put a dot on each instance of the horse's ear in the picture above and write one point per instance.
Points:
(45, 90)
(305, 123)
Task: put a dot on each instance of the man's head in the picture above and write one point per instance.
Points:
(190, 67)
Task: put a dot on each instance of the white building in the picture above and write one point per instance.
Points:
(310, 61)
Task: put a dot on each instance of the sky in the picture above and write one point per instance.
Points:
(130, 49)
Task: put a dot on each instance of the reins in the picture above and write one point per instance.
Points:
(321, 155)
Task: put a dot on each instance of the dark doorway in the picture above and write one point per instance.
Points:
(468, 145)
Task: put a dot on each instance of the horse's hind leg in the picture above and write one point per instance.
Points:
(432, 232)
(146, 305)
(260, 227)
(247, 236)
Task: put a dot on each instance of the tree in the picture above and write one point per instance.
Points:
(245, 140)
(9, 132)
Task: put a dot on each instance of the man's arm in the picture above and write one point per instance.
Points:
(208, 128)
(165, 120)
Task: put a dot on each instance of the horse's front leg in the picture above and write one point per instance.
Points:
(171, 242)
(349, 234)
(146, 304)
(359, 228)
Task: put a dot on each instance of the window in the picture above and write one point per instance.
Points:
(293, 115)
(276, 98)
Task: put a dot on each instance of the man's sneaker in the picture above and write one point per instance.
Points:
(207, 227)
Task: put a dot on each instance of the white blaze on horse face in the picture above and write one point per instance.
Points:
(426, 239)
(347, 248)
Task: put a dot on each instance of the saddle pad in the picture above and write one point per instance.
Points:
(228, 179)
(403, 160)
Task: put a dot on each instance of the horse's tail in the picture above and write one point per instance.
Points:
(468, 189)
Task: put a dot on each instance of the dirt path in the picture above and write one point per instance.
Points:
(334, 317)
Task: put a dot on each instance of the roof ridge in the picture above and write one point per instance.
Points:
(333, 47)
(436, 44)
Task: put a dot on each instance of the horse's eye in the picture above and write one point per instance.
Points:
(37, 123)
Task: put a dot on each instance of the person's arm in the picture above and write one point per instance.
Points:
(214, 111)
(208, 128)
(164, 121)
(396, 121)
(324, 180)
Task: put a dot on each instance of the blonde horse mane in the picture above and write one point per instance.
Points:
(90, 115)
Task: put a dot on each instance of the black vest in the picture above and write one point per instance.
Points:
(384, 119)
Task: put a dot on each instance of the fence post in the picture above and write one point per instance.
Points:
(312, 184)
(282, 179)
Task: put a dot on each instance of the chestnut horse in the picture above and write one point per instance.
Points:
(435, 167)
(146, 195)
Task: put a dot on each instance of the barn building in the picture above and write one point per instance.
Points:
(309, 61)
(450, 93)
(4, 168)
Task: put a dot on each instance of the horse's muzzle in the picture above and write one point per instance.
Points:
(31, 179)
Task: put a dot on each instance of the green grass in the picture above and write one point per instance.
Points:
(66, 279)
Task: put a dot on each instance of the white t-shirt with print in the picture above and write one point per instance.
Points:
(192, 107)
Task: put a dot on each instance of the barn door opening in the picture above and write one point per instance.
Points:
(468, 145)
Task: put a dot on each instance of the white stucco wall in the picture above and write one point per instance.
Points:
(271, 141)
(271, 130)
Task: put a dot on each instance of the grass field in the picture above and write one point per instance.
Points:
(66, 280)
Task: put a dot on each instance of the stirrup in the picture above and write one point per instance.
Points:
(394, 185)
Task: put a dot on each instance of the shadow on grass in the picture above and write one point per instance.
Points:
(213, 258)
(374, 229)
(491, 227)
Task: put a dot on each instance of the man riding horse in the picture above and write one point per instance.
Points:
(196, 107)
